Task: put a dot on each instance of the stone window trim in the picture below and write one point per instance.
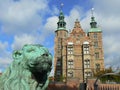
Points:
(86, 49)
(70, 74)
(96, 55)
(96, 44)
(87, 63)
(70, 64)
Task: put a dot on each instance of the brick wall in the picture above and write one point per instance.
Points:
(63, 86)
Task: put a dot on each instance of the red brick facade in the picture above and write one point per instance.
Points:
(77, 54)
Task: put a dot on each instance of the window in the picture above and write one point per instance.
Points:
(65, 35)
(95, 35)
(58, 52)
(58, 73)
(95, 44)
(88, 74)
(86, 49)
(87, 63)
(70, 50)
(59, 46)
(97, 55)
(70, 64)
(70, 73)
(58, 63)
(97, 67)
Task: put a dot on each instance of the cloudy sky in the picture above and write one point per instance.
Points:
(34, 21)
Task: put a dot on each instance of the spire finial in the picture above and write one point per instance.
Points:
(93, 22)
(92, 11)
(61, 23)
(61, 6)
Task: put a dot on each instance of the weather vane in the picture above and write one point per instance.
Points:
(61, 6)
(92, 11)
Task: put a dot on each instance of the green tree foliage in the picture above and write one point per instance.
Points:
(107, 78)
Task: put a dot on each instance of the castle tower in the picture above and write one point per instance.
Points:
(95, 34)
(60, 34)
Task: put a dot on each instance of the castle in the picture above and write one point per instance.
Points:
(78, 55)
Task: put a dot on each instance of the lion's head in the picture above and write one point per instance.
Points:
(35, 57)
(33, 62)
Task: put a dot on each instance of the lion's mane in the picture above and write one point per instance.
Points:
(29, 69)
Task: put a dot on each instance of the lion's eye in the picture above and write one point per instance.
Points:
(45, 54)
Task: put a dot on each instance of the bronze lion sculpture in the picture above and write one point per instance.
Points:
(29, 70)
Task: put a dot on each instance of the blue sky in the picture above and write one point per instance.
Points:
(34, 21)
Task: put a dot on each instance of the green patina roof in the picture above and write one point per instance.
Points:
(61, 24)
(95, 30)
(61, 28)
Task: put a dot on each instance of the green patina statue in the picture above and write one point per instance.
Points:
(29, 70)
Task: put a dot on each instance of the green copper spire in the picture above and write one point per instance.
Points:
(93, 23)
(61, 23)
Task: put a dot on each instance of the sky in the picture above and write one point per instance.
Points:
(35, 21)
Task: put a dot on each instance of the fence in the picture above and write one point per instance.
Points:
(105, 87)
(96, 85)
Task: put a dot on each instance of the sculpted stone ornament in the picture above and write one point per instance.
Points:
(29, 69)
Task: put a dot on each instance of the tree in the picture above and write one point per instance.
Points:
(110, 78)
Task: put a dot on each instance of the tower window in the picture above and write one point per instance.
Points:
(97, 55)
(58, 63)
(97, 67)
(95, 35)
(87, 63)
(58, 73)
(60, 25)
(70, 64)
(70, 73)
(86, 49)
(70, 50)
(95, 44)
(88, 74)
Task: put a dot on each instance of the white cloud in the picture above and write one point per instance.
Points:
(75, 13)
(21, 40)
(107, 14)
(107, 7)
(51, 24)
(111, 44)
(22, 16)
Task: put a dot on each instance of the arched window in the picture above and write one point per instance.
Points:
(86, 49)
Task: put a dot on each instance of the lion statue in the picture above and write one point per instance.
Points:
(29, 70)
